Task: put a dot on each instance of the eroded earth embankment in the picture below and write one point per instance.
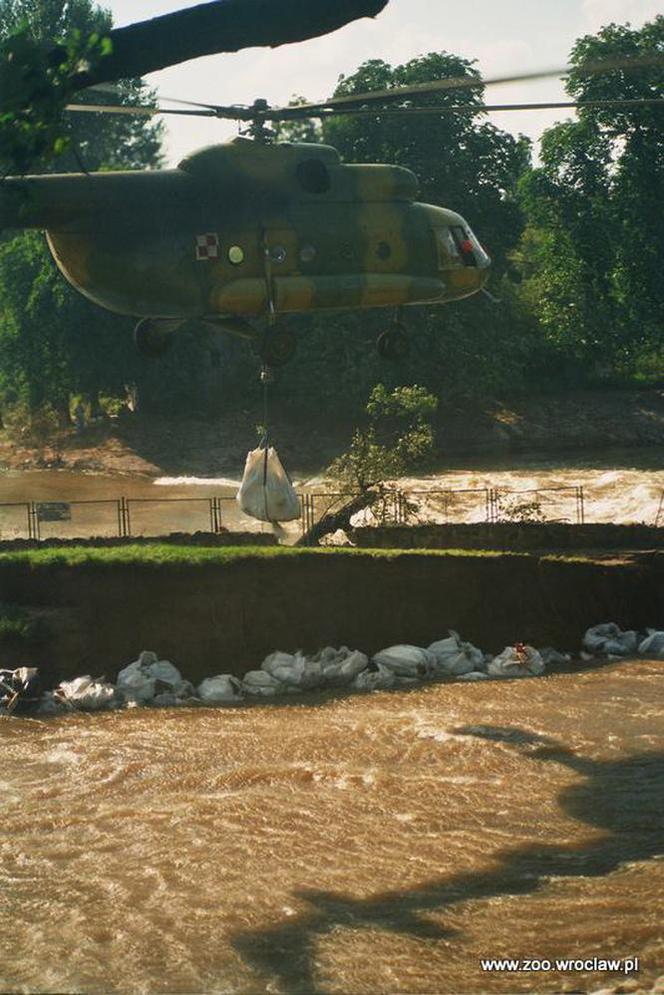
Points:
(214, 611)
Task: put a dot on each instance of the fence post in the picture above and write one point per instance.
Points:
(34, 531)
(126, 521)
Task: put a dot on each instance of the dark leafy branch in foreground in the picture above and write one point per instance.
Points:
(221, 26)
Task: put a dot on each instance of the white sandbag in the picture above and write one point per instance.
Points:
(379, 679)
(552, 656)
(259, 682)
(407, 661)
(338, 673)
(517, 661)
(86, 694)
(222, 689)
(608, 639)
(294, 671)
(165, 672)
(473, 675)
(266, 493)
(49, 704)
(338, 538)
(653, 645)
(148, 676)
(453, 657)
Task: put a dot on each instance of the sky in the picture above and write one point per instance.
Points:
(504, 36)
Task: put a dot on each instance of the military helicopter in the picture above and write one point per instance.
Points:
(254, 229)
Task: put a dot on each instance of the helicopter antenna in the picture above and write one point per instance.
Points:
(257, 129)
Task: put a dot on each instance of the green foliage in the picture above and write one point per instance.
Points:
(37, 80)
(53, 342)
(17, 625)
(398, 439)
(592, 253)
(161, 556)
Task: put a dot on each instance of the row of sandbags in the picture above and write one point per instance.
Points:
(610, 641)
(150, 681)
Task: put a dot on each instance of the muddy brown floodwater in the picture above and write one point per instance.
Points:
(374, 843)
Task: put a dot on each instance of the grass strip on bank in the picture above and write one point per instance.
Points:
(165, 555)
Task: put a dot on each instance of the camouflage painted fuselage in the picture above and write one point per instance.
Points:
(242, 229)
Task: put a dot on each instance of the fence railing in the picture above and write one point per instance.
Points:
(133, 517)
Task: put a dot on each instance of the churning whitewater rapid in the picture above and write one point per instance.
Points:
(374, 843)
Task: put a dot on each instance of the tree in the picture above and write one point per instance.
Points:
(594, 245)
(398, 439)
(53, 342)
(38, 78)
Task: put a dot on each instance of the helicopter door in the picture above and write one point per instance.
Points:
(281, 260)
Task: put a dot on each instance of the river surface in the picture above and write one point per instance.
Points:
(618, 486)
(374, 843)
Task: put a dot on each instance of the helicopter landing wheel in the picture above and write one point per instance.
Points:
(393, 344)
(150, 340)
(278, 346)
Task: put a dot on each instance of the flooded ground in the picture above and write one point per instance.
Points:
(618, 486)
(375, 843)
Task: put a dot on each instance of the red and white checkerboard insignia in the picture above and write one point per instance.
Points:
(207, 246)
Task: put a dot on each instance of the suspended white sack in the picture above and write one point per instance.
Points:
(222, 689)
(516, 661)
(266, 492)
(608, 639)
(86, 694)
(653, 645)
(407, 661)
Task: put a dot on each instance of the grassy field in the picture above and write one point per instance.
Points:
(170, 555)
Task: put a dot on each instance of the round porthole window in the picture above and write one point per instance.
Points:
(307, 254)
(236, 255)
(278, 254)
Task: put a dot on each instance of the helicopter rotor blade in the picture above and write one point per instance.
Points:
(473, 82)
(132, 110)
(299, 114)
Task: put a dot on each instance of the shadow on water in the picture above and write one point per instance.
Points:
(625, 798)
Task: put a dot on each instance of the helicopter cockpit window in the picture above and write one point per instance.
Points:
(468, 248)
(313, 176)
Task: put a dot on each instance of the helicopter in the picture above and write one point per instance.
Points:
(243, 233)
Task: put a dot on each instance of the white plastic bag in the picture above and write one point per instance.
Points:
(407, 661)
(266, 493)
(374, 680)
(653, 645)
(454, 657)
(517, 661)
(259, 682)
(608, 639)
(87, 694)
(222, 689)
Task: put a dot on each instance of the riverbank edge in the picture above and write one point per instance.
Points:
(213, 611)
(153, 445)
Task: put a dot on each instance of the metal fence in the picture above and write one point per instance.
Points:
(133, 517)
